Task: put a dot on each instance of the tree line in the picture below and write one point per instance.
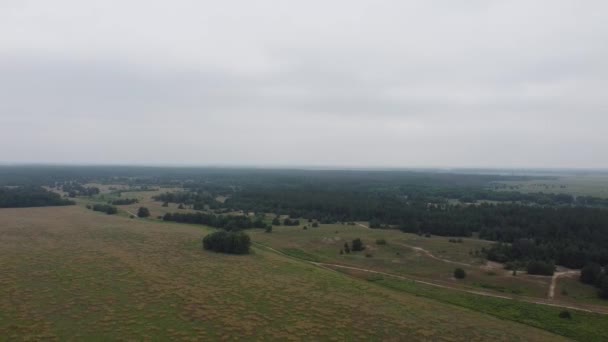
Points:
(104, 208)
(30, 196)
(124, 201)
(227, 222)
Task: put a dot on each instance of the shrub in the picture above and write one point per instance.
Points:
(315, 225)
(227, 242)
(357, 245)
(565, 314)
(268, 229)
(381, 242)
(459, 273)
(346, 248)
(368, 255)
(143, 212)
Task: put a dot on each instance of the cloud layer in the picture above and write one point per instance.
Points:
(340, 83)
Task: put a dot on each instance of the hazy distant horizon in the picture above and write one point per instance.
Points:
(357, 84)
(446, 169)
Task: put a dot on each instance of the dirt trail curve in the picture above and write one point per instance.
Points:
(556, 275)
(602, 311)
(422, 250)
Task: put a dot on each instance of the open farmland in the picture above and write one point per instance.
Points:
(69, 272)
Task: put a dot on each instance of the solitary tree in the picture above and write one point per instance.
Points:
(459, 273)
(358, 245)
(143, 212)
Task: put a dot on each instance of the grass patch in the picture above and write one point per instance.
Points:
(581, 325)
(300, 254)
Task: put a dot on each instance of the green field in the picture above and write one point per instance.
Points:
(71, 273)
(323, 244)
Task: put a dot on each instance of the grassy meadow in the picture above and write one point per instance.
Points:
(71, 273)
(404, 254)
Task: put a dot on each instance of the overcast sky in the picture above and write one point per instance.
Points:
(308, 83)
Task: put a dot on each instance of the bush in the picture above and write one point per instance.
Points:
(459, 273)
(357, 245)
(346, 248)
(315, 225)
(268, 229)
(227, 242)
(540, 268)
(381, 242)
(143, 212)
(565, 314)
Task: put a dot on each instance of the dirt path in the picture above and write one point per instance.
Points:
(556, 275)
(422, 250)
(480, 293)
(431, 255)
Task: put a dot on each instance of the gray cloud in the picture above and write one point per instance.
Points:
(343, 83)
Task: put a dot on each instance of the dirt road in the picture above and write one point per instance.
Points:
(569, 273)
(454, 288)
